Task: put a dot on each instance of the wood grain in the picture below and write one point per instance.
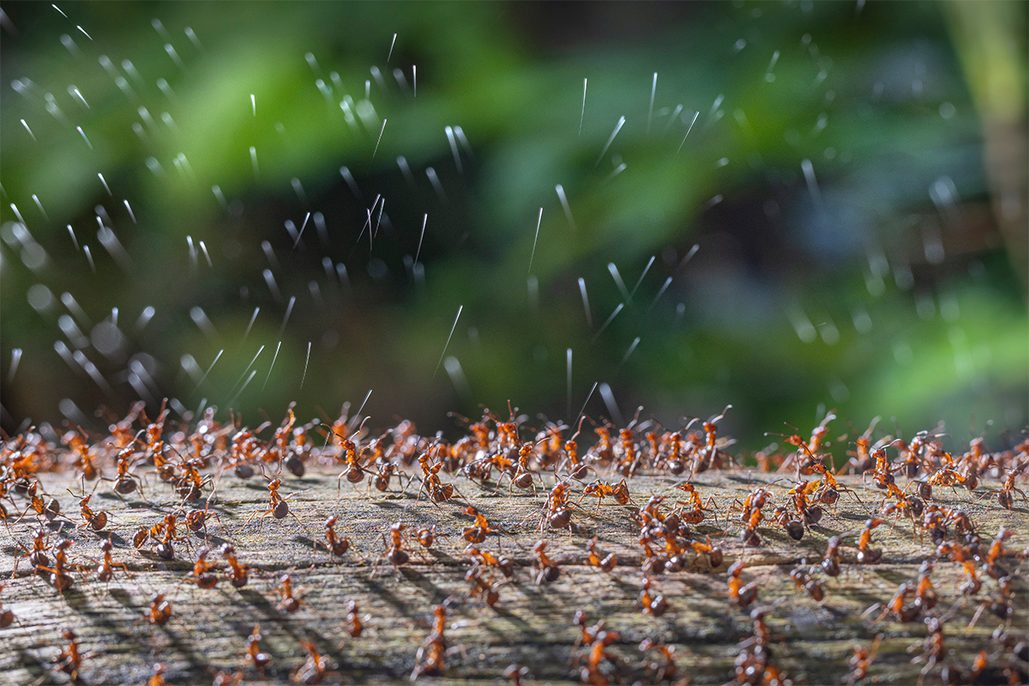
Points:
(531, 625)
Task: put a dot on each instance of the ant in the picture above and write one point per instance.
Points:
(898, 607)
(606, 563)
(290, 603)
(384, 473)
(547, 570)
(804, 579)
(314, 668)
(126, 482)
(160, 610)
(831, 561)
(696, 513)
(426, 536)
(666, 669)
(860, 460)
(488, 559)
(277, 505)
(964, 556)
(482, 585)
(714, 554)
(196, 519)
(752, 515)
(867, 554)
(784, 518)
(1006, 496)
(996, 552)
(157, 678)
(429, 660)
(239, 573)
(105, 570)
(925, 592)
(598, 641)
(739, 593)
(95, 520)
(478, 532)
(860, 662)
(711, 456)
(59, 577)
(395, 552)
(431, 482)
(515, 673)
(69, 660)
(333, 543)
(654, 605)
(38, 556)
(6, 614)
(204, 571)
(935, 650)
(557, 507)
(619, 491)
(254, 652)
(354, 471)
(165, 532)
(354, 620)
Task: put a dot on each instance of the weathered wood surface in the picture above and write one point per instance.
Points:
(532, 625)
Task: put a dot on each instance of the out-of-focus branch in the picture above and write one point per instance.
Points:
(991, 42)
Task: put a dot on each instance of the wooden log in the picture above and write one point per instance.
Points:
(531, 625)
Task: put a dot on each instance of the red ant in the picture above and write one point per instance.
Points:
(666, 669)
(557, 507)
(395, 552)
(354, 619)
(598, 559)
(333, 542)
(160, 610)
(426, 536)
(478, 532)
(599, 489)
(696, 513)
(157, 678)
(739, 593)
(867, 554)
(598, 640)
(860, 662)
(431, 482)
(1006, 496)
(831, 561)
(290, 602)
(803, 578)
(165, 532)
(69, 660)
(711, 456)
(6, 614)
(239, 573)
(653, 604)
(105, 570)
(204, 571)
(314, 668)
(935, 650)
(96, 520)
(59, 577)
(547, 570)
(752, 515)
(254, 652)
(430, 659)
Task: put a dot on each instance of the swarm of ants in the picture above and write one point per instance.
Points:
(583, 493)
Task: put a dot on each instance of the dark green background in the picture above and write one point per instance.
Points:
(888, 101)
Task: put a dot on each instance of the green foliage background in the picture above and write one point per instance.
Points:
(796, 301)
